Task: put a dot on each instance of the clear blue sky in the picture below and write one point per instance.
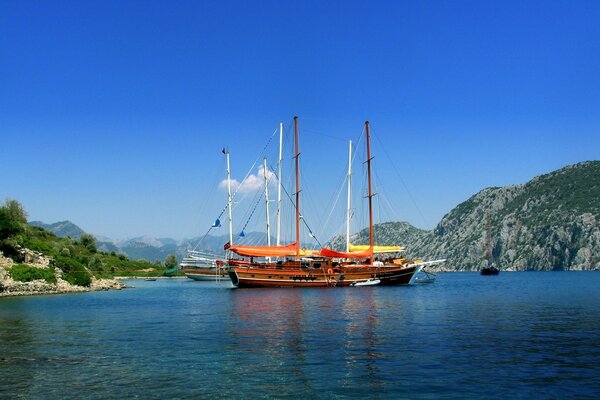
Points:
(113, 113)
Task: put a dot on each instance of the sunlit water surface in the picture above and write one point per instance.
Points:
(516, 335)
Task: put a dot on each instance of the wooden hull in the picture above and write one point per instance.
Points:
(341, 276)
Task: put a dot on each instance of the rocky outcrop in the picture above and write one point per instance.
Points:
(34, 258)
(10, 287)
(549, 223)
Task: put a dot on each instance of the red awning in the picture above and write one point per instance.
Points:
(325, 252)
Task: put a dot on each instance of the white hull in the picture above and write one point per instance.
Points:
(204, 277)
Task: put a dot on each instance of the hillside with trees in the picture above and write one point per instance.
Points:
(30, 253)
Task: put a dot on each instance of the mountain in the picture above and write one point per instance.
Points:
(550, 223)
(153, 249)
(144, 247)
(147, 247)
(61, 229)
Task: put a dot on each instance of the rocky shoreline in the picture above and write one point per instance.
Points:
(10, 287)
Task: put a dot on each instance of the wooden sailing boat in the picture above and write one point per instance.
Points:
(327, 268)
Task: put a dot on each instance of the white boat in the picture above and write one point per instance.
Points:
(368, 282)
(201, 266)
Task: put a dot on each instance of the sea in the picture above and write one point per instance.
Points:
(516, 335)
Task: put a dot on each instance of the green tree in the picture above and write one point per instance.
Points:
(88, 241)
(171, 261)
(12, 219)
(15, 211)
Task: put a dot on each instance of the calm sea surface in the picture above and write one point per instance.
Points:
(516, 335)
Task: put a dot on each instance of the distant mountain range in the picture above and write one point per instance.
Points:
(148, 247)
(61, 229)
(550, 223)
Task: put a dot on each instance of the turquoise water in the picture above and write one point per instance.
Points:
(516, 335)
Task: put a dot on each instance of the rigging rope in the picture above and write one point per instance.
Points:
(252, 213)
(303, 220)
(402, 181)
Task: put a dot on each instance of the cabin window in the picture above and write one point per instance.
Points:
(317, 265)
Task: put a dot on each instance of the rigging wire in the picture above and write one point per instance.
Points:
(401, 180)
(252, 212)
(239, 186)
(289, 196)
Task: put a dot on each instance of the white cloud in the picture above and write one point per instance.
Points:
(251, 184)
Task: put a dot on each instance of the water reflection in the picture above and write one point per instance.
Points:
(538, 336)
(317, 334)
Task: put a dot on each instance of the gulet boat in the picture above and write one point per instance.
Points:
(324, 268)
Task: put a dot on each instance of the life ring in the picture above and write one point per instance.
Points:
(330, 271)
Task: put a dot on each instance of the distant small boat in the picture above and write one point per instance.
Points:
(490, 269)
(150, 279)
(368, 282)
(425, 277)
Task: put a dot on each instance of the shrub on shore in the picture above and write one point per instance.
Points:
(74, 272)
(25, 273)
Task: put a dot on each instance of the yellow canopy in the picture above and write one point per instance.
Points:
(377, 249)
(308, 253)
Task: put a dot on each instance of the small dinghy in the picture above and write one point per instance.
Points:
(425, 277)
(368, 282)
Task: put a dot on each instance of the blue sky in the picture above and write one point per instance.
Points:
(113, 114)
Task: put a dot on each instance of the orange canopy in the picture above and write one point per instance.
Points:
(265, 251)
(325, 252)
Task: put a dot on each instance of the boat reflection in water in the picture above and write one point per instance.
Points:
(306, 334)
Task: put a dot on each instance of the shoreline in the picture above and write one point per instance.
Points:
(122, 278)
(11, 288)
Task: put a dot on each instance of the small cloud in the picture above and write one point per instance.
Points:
(251, 184)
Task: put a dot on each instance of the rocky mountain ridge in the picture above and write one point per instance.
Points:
(550, 223)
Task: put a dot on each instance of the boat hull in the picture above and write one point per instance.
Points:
(489, 271)
(255, 277)
(204, 274)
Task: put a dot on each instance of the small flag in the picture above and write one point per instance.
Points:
(242, 234)
(224, 151)
(217, 223)
(226, 246)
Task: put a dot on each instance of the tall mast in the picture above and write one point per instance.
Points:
(349, 202)
(371, 239)
(229, 200)
(297, 151)
(280, 183)
(267, 201)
